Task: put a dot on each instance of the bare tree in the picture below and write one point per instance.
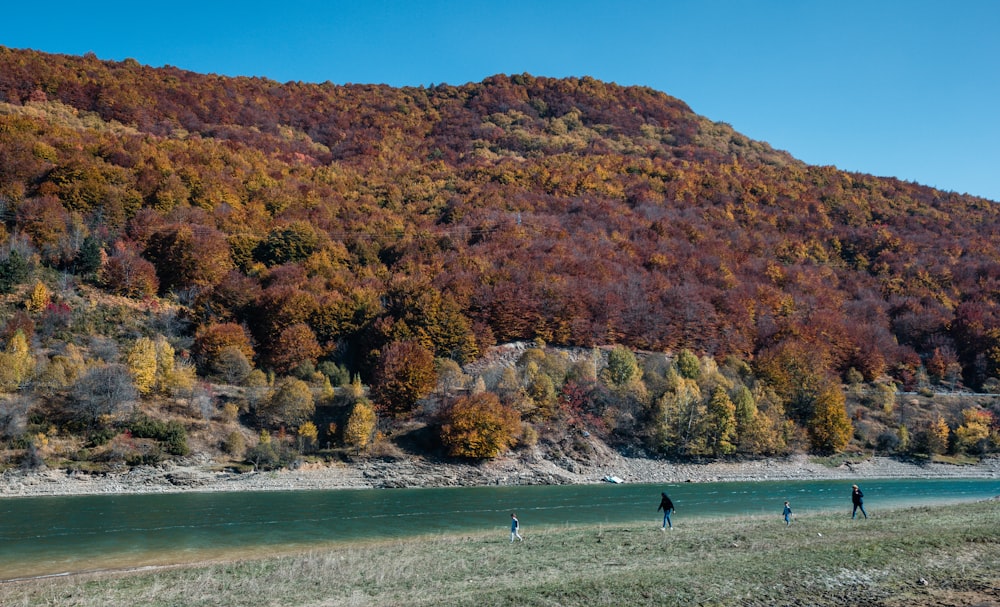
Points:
(104, 390)
(14, 416)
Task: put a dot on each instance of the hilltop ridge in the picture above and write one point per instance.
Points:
(246, 261)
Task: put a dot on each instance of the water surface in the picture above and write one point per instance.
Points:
(53, 535)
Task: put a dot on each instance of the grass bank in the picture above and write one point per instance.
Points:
(920, 556)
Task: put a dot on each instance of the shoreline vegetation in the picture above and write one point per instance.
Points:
(910, 556)
(201, 475)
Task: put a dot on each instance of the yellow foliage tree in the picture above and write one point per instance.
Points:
(308, 435)
(360, 426)
(16, 362)
(164, 362)
(937, 436)
(39, 298)
(974, 430)
(141, 361)
(829, 427)
(181, 380)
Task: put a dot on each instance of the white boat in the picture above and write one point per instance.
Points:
(613, 479)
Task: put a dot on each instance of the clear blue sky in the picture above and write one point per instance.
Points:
(905, 88)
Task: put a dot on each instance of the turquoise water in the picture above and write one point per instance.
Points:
(53, 535)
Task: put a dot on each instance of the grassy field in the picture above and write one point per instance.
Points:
(923, 556)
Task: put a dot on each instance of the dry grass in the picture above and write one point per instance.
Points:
(822, 560)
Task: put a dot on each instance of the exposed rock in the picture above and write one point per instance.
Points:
(520, 468)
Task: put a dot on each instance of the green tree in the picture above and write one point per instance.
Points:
(88, 258)
(622, 369)
(15, 269)
(688, 364)
(293, 242)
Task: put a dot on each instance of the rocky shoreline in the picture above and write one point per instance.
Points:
(201, 475)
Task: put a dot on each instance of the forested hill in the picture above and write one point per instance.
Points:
(520, 207)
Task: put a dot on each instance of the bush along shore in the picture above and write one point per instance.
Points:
(201, 474)
(907, 557)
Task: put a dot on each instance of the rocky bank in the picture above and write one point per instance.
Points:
(202, 474)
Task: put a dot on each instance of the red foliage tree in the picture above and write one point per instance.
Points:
(403, 375)
(294, 346)
(125, 273)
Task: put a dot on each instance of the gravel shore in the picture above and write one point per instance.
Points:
(201, 475)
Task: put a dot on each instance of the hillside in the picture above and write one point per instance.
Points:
(187, 242)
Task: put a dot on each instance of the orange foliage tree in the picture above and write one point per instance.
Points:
(479, 426)
(211, 340)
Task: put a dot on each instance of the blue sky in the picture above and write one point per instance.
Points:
(904, 88)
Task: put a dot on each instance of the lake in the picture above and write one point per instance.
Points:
(56, 535)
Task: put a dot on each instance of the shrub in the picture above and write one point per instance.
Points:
(887, 441)
(172, 433)
(234, 444)
(291, 402)
(232, 365)
(338, 374)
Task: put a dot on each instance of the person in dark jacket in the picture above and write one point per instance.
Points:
(787, 513)
(668, 507)
(857, 498)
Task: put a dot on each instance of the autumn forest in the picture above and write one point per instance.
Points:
(274, 271)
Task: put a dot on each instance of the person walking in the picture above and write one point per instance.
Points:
(668, 507)
(857, 498)
(515, 528)
(787, 513)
